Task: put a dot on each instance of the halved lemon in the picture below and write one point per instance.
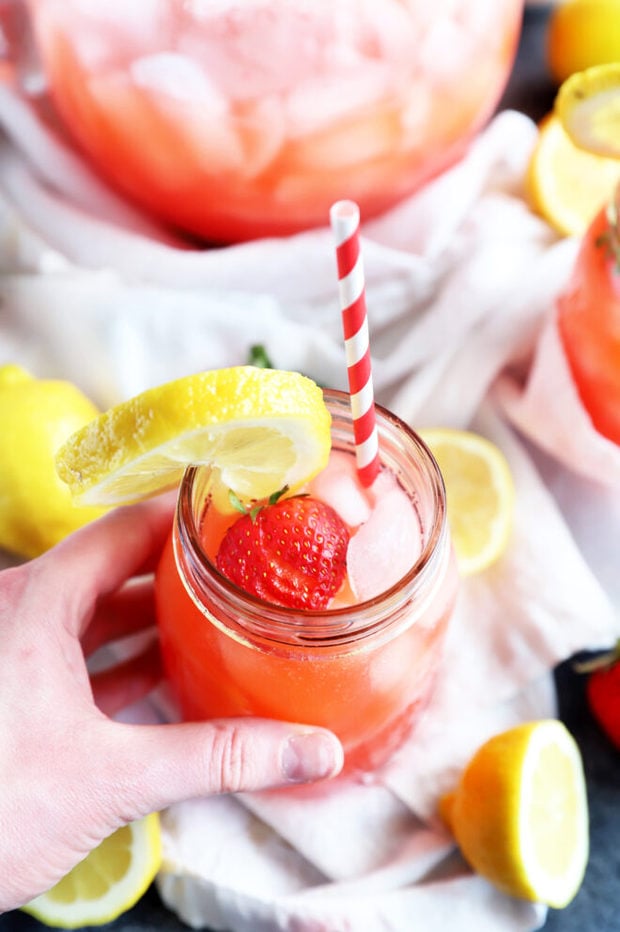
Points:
(520, 813)
(260, 428)
(567, 185)
(480, 495)
(588, 106)
(108, 882)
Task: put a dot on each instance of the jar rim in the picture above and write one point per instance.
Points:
(402, 590)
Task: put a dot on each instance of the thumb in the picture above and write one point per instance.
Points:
(162, 764)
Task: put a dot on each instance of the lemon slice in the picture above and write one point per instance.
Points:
(108, 882)
(566, 184)
(588, 106)
(480, 495)
(261, 428)
(520, 813)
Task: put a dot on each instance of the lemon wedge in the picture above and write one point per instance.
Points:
(260, 428)
(567, 185)
(108, 882)
(588, 106)
(480, 495)
(520, 813)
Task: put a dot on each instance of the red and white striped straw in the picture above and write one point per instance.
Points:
(345, 222)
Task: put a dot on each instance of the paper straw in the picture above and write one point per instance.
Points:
(345, 221)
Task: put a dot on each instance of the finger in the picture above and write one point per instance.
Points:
(154, 766)
(98, 558)
(125, 612)
(125, 683)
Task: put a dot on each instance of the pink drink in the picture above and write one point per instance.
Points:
(364, 666)
(234, 120)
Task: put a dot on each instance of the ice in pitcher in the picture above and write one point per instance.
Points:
(234, 120)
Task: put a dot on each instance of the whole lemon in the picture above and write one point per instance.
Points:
(36, 417)
(582, 33)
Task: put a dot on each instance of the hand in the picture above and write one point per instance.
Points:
(70, 775)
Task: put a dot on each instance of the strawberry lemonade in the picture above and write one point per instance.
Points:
(234, 120)
(326, 605)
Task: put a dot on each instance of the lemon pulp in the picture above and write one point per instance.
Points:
(567, 185)
(520, 814)
(588, 106)
(479, 493)
(259, 428)
(108, 882)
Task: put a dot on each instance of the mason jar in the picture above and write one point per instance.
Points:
(364, 670)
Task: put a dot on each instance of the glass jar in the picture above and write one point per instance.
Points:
(365, 671)
(247, 118)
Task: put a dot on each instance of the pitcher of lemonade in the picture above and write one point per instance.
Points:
(239, 119)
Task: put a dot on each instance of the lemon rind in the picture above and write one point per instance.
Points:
(138, 438)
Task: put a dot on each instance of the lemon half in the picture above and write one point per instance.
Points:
(260, 428)
(480, 495)
(520, 813)
(108, 882)
(588, 106)
(567, 185)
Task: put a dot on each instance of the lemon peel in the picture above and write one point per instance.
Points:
(108, 882)
(581, 34)
(520, 813)
(36, 417)
(259, 428)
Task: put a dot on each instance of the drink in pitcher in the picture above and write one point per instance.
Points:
(352, 643)
(248, 118)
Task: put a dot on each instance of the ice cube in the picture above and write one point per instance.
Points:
(165, 161)
(339, 487)
(325, 100)
(179, 77)
(385, 547)
(106, 34)
(260, 127)
(367, 137)
(186, 134)
(255, 48)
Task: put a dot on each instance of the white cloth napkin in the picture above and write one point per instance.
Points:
(461, 281)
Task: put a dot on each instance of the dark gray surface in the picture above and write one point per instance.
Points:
(596, 907)
(530, 88)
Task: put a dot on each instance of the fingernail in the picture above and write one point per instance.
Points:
(311, 755)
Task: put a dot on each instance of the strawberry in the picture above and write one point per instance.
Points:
(603, 692)
(291, 551)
